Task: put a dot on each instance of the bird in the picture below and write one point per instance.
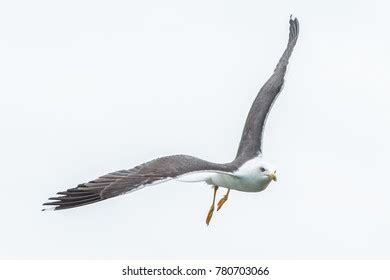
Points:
(248, 172)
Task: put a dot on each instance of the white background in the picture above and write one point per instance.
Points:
(90, 87)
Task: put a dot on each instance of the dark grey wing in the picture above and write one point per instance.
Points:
(251, 139)
(124, 181)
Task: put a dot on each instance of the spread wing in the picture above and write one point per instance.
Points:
(251, 139)
(124, 181)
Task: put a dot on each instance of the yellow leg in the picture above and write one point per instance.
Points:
(210, 214)
(223, 200)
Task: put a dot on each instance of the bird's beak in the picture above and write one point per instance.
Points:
(273, 177)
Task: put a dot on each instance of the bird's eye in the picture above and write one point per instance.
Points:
(262, 169)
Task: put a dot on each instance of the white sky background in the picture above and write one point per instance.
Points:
(90, 87)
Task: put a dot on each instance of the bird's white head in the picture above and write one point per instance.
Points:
(257, 172)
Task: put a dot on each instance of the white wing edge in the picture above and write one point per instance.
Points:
(199, 176)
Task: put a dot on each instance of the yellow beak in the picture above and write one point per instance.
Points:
(273, 176)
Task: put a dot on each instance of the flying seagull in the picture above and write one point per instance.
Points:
(248, 172)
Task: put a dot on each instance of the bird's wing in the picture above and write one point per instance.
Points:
(251, 139)
(124, 181)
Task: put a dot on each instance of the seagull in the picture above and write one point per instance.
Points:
(248, 172)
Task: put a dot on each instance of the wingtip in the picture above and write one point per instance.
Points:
(294, 28)
(48, 209)
(293, 18)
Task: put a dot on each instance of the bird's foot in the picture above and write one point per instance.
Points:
(222, 201)
(210, 215)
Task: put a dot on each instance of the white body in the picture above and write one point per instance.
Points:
(248, 178)
(239, 183)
